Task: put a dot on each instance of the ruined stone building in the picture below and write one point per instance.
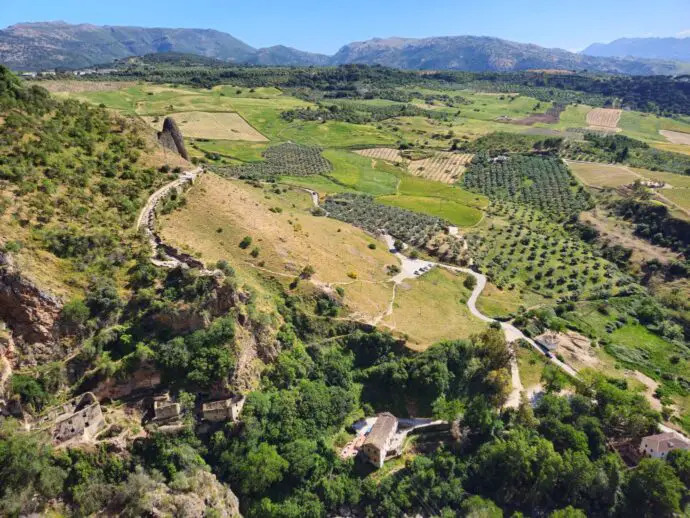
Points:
(376, 447)
(166, 411)
(171, 138)
(224, 410)
(78, 420)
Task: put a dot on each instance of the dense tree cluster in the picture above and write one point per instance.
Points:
(363, 211)
(361, 113)
(541, 182)
(625, 150)
(283, 159)
(655, 223)
(500, 143)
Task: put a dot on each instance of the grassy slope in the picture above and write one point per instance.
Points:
(433, 308)
(359, 173)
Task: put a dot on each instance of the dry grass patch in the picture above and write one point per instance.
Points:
(433, 308)
(676, 137)
(621, 233)
(603, 175)
(215, 126)
(382, 153)
(74, 87)
(443, 167)
(220, 213)
(604, 119)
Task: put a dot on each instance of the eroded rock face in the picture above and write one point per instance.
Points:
(30, 313)
(172, 139)
(6, 356)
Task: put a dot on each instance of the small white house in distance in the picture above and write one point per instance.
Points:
(658, 446)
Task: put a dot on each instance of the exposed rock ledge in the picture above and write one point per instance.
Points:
(31, 314)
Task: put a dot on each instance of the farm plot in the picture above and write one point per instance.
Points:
(676, 137)
(550, 116)
(604, 119)
(442, 167)
(603, 175)
(216, 126)
(382, 153)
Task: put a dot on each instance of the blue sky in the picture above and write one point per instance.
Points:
(324, 26)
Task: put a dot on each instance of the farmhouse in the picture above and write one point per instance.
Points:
(658, 446)
(375, 448)
(224, 410)
(548, 341)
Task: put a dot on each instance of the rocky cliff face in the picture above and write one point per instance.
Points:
(31, 314)
(6, 355)
(171, 138)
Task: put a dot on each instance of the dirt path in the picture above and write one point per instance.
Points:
(147, 220)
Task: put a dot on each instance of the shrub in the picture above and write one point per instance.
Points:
(246, 242)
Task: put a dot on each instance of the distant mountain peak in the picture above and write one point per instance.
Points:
(46, 45)
(676, 49)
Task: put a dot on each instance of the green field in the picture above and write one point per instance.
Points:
(356, 172)
(645, 126)
(455, 213)
(321, 184)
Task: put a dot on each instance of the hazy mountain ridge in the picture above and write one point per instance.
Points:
(45, 45)
(480, 54)
(677, 49)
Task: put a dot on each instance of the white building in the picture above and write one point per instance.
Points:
(658, 446)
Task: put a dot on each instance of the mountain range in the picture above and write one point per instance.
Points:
(46, 45)
(676, 49)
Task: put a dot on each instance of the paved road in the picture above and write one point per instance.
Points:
(408, 269)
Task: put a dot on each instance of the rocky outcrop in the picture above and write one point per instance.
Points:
(6, 356)
(143, 381)
(201, 495)
(31, 314)
(223, 296)
(171, 138)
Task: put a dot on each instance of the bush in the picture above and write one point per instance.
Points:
(470, 282)
(246, 242)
